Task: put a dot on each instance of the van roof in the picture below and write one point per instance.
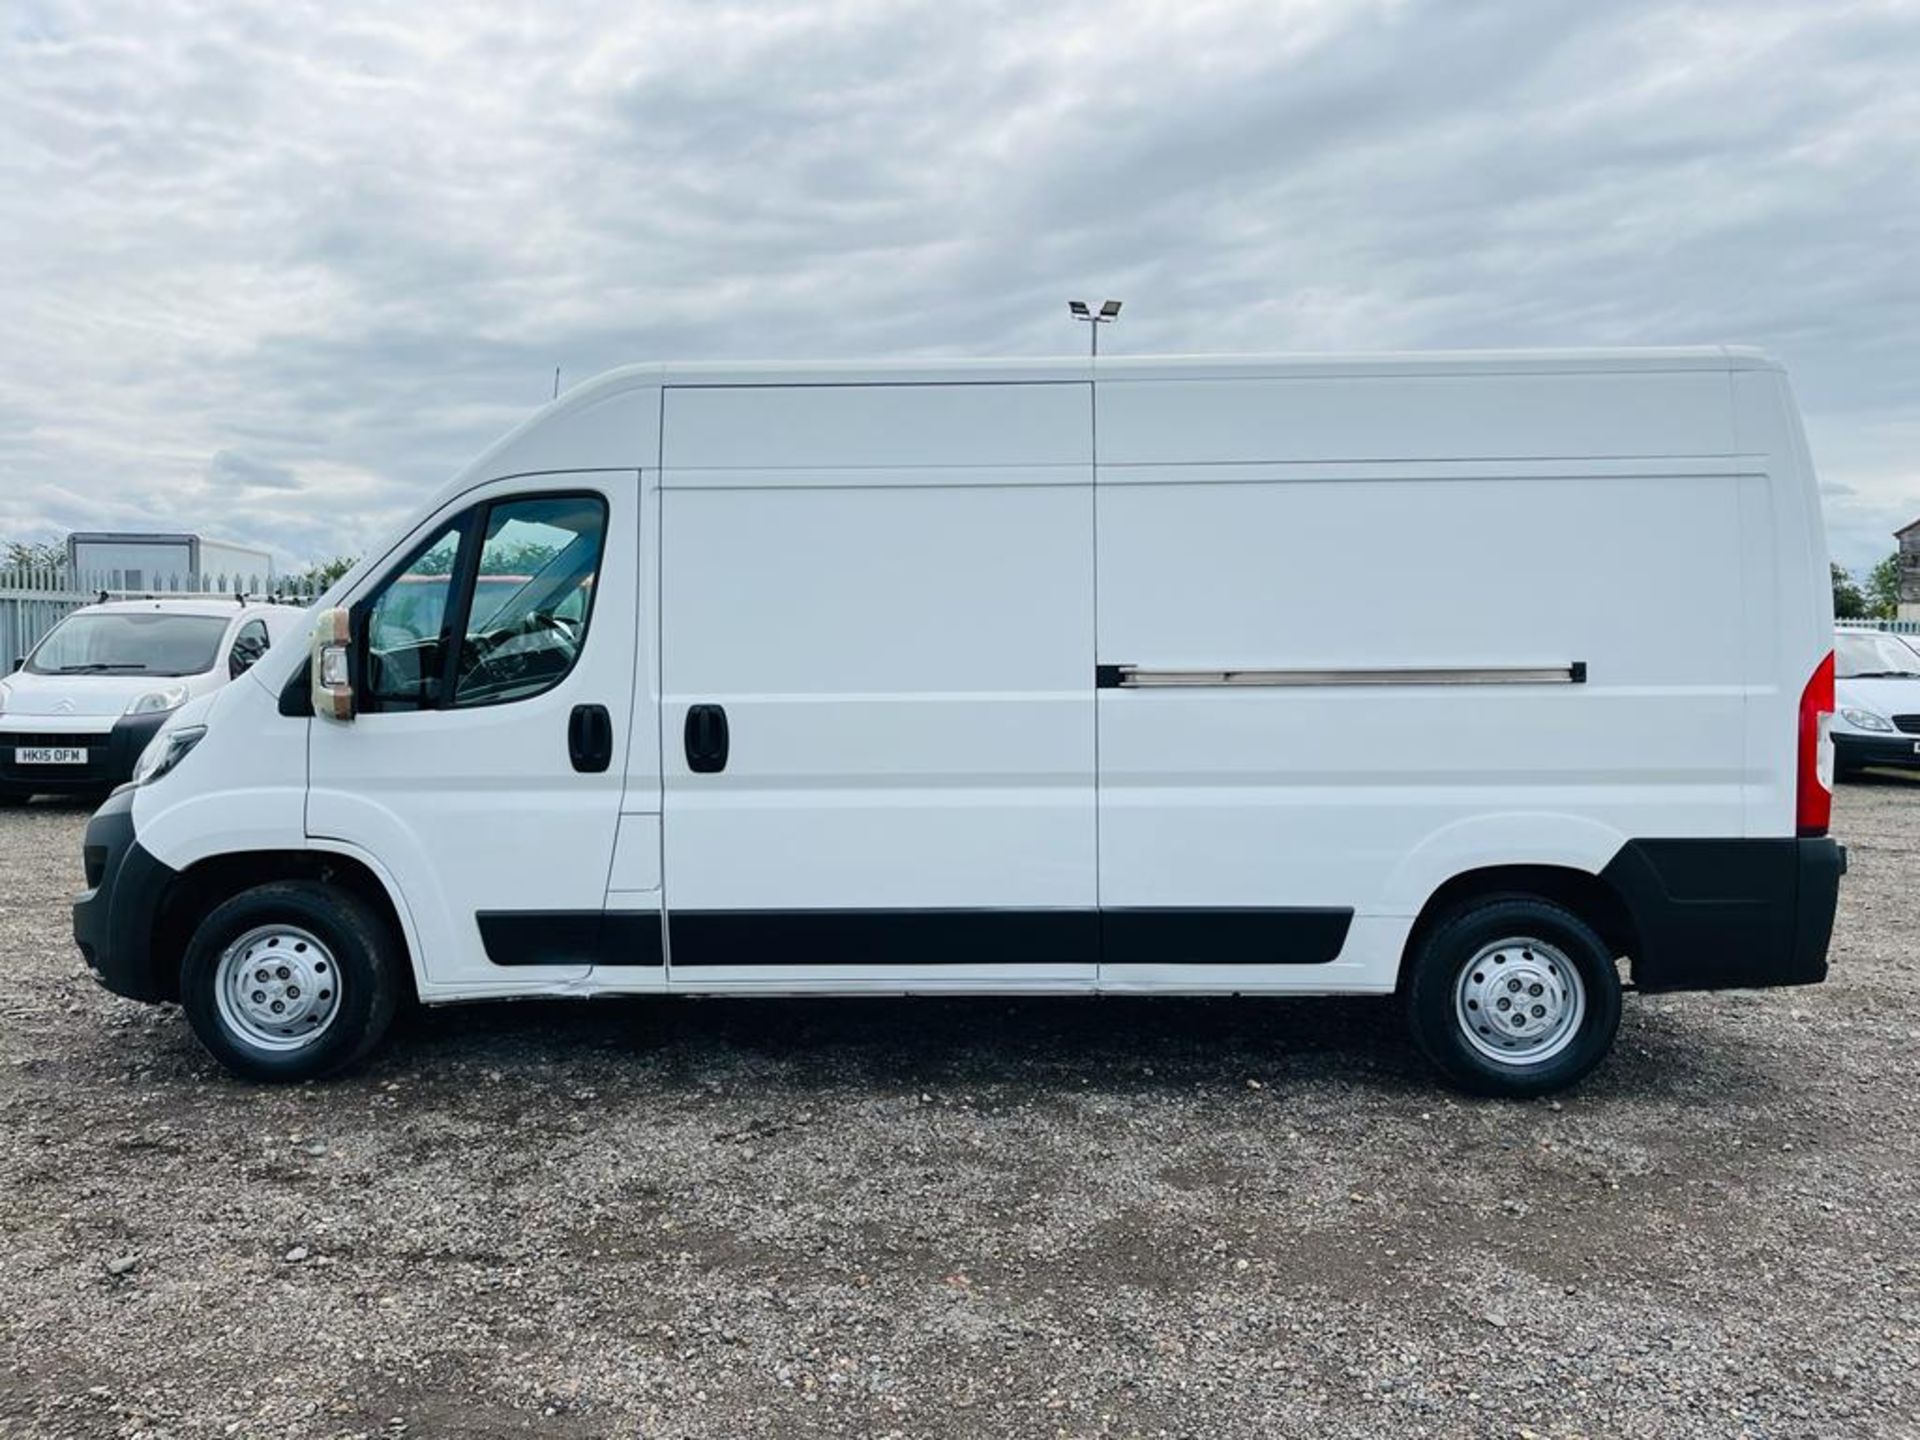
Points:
(1141, 367)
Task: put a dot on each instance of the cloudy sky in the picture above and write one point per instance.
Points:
(273, 270)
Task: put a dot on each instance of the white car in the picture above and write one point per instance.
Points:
(1876, 718)
(76, 713)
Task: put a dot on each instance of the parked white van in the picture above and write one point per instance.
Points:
(1173, 676)
(76, 713)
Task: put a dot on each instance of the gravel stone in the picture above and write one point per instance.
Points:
(964, 1218)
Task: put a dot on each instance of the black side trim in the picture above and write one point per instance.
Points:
(884, 937)
(1719, 914)
(1293, 936)
(921, 938)
(570, 937)
(1107, 677)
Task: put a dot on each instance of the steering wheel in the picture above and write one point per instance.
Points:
(505, 669)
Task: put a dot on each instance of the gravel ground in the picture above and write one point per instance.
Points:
(870, 1218)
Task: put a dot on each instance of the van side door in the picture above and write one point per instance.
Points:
(877, 662)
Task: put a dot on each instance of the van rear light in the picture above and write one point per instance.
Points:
(1813, 808)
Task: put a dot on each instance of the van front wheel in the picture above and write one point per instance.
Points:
(1513, 996)
(290, 981)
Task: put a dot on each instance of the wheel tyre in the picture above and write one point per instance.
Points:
(1435, 974)
(367, 961)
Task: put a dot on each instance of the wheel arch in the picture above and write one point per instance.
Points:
(196, 890)
(1583, 892)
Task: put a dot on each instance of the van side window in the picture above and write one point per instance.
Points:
(406, 629)
(532, 597)
(248, 646)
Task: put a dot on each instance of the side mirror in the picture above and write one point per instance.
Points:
(332, 675)
(18, 660)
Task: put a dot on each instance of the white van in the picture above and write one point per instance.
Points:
(1249, 676)
(76, 713)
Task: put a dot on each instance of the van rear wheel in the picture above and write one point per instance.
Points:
(1513, 996)
(290, 981)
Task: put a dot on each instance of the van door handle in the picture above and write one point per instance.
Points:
(706, 737)
(590, 738)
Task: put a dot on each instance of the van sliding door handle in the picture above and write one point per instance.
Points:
(590, 738)
(706, 737)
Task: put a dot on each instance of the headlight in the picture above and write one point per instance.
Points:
(164, 751)
(5, 695)
(158, 702)
(1864, 720)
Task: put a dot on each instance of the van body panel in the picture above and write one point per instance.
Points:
(1342, 793)
(260, 802)
(889, 428)
(900, 634)
(1790, 626)
(1520, 415)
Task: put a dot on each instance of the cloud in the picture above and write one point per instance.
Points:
(274, 272)
(229, 470)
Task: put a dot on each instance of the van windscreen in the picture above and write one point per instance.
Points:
(1861, 657)
(130, 644)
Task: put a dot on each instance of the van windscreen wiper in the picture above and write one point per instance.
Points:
(97, 665)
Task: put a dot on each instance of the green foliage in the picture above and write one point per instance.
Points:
(320, 576)
(25, 555)
(522, 559)
(1848, 602)
(1883, 588)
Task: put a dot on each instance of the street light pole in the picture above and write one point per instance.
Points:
(1108, 312)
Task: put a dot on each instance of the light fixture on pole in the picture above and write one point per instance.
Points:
(1108, 312)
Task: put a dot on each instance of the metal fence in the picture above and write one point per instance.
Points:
(1891, 627)
(32, 602)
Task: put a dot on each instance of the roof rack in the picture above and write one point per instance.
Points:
(238, 597)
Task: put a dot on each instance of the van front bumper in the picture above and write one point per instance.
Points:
(110, 755)
(1850, 751)
(1729, 914)
(114, 919)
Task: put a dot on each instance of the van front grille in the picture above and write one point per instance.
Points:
(67, 738)
(1908, 723)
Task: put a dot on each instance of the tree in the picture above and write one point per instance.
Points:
(528, 557)
(319, 577)
(1848, 602)
(25, 555)
(1883, 588)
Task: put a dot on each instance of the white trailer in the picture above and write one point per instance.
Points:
(1456, 676)
(132, 560)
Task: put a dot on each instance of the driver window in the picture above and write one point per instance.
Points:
(405, 632)
(532, 597)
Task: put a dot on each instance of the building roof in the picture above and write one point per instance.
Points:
(1907, 528)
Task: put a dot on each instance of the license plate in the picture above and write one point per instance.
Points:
(49, 755)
